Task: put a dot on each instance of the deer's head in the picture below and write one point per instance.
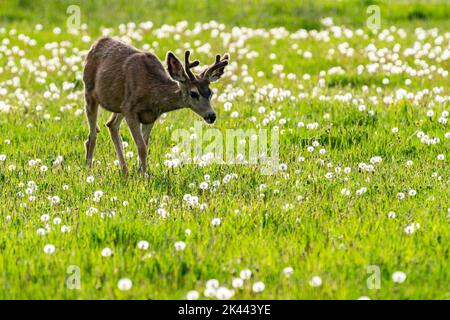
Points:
(195, 88)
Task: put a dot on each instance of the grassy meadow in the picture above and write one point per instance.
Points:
(358, 208)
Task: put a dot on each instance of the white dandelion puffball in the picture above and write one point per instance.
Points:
(391, 215)
(316, 281)
(106, 252)
(129, 154)
(192, 295)
(55, 199)
(143, 245)
(237, 283)
(223, 293)
(399, 277)
(288, 271)
(410, 229)
(245, 274)
(180, 245)
(90, 179)
(212, 283)
(210, 292)
(215, 222)
(258, 287)
(124, 284)
(49, 249)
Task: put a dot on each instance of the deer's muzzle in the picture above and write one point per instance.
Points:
(210, 118)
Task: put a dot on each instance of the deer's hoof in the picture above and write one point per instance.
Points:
(125, 171)
(89, 163)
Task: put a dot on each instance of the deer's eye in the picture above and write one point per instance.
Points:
(194, 95)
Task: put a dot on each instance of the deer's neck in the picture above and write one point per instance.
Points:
(173, 98)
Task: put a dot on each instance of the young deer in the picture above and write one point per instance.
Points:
(134, 85)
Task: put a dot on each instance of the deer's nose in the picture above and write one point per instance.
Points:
(210, 118)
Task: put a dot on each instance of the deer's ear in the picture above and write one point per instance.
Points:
(175, 68)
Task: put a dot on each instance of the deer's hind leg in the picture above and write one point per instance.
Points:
(146, 129)
(113, 125)
(91, 115)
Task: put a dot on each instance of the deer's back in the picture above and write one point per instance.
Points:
(110, 64)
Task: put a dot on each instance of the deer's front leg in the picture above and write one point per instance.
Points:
(135, 129)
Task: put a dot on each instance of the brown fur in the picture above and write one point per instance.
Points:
(135, 85)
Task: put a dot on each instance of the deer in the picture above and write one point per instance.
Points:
(135, 86)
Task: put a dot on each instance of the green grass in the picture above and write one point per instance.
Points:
(324, 233)
(293, 14)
